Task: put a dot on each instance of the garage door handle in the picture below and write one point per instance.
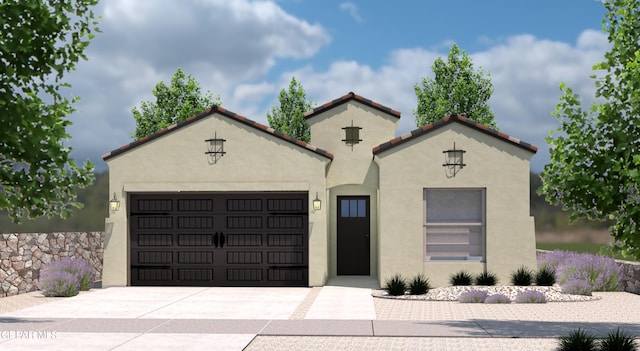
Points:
(221, 240)
(215, 239)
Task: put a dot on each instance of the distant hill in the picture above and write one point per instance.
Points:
(552, 218)
(90, 218)
(96, 201)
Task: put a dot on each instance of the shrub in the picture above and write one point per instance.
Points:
(531, 296)
(486, 278)
(419, 285)
(497, 298)
(617, 340)
(65, 277)
(461, 278)
(577, 287)
(522, 277)
(577, 340)
(546, 276)
(473, 296)
(58, 283)
(396, 286)
(602, 273)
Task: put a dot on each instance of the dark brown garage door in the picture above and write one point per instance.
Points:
(219, 239)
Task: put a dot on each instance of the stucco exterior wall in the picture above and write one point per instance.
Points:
(352, 171)
(254, 161)
(500, 168)
(352, 165)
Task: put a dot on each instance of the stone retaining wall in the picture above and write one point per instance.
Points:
(22, 256)
(630, 271)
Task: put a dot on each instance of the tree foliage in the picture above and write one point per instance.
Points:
(40, 41)
(174, 103)
(289, 117)
(456, 89)
(595, 157)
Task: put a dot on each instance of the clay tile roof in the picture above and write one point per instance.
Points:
(348, 97)
(451, 119)
(224, 112)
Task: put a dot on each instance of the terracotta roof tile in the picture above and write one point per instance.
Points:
(451, 119)
(348, 97)
(226, 113)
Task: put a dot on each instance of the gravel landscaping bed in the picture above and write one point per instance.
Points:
(451, 293)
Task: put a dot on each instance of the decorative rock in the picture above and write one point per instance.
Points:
(23, 255)
(18, 265)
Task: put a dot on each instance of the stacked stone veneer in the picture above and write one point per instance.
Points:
(630, 271)
(23, 255)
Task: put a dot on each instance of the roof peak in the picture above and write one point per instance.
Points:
(224, 112)
(348, 97)
(448, 120)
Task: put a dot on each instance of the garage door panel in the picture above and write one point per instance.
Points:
(296, 240)
(219, 239)
(155, 240)
(195, 222)
(249, 240)
(205, 240)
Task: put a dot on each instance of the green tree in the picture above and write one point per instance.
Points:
(595, 157)
(40, 41)
(456, 89)
(174, 103)
(289, 117)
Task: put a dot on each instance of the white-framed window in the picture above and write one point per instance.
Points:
(454, 224)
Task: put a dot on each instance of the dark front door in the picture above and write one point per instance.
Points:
(353, 235)
(219, 239)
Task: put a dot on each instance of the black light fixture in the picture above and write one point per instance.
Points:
(215, 148)
(114, 204)
(352, 135)
(317, 204)
(454, 159)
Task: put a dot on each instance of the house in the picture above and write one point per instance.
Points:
(220, 200)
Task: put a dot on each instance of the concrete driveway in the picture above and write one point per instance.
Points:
(342, 315)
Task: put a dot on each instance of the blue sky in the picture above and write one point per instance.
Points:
(247, 51)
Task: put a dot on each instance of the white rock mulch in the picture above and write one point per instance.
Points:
(451, 293)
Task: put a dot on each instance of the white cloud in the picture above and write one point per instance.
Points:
(221, 43)
(352, 10)
(526, 73)
(232, 47)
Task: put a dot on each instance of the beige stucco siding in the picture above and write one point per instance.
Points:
(352, 165)
(254, 161)
(352, 171)
(502, 169)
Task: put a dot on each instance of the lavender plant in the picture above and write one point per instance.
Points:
(58, 283)
(65, 277)
(577, 287)
(473, 296)
(601, 273)
(531, 296)
(497, 298)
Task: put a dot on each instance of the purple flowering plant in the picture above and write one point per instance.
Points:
(65, 277)
(600, 272)
(531, 296)
(497, 298)
(577, 287)
(473, 296)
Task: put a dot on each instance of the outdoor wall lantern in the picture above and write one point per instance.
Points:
(454, 159)
(215, 148)
(114, 204)
(317, 204)
(352, 135)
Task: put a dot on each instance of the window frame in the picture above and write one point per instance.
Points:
(482, 225)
